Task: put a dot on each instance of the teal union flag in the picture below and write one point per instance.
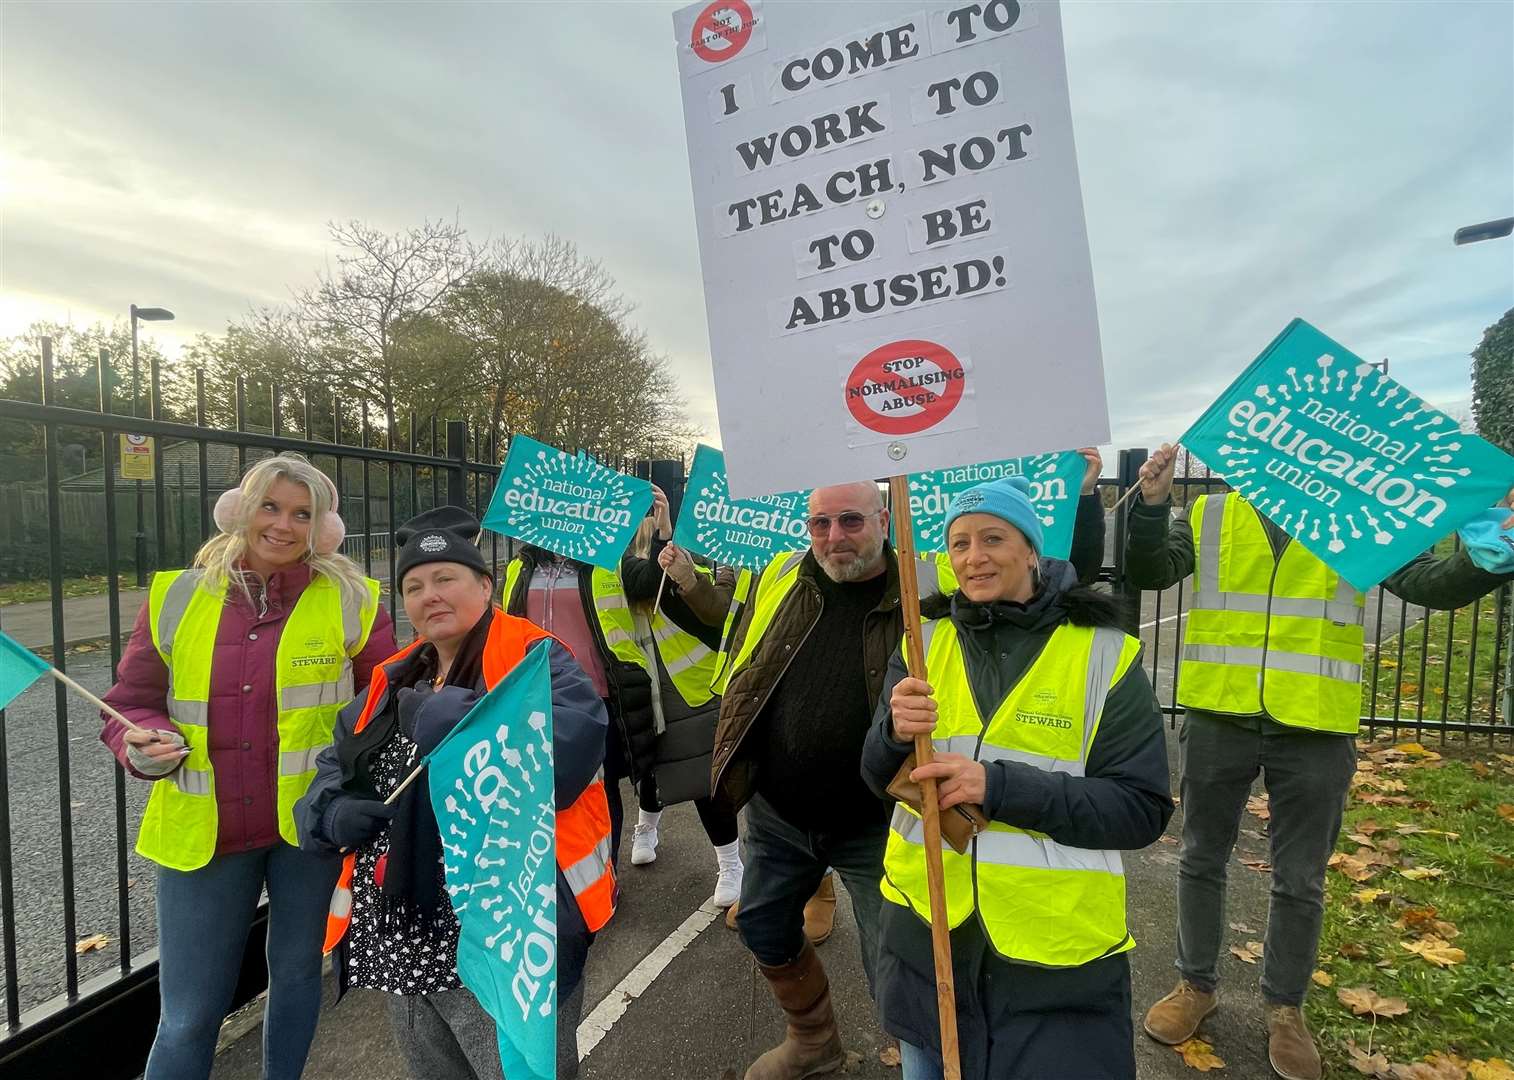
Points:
(1362, 472)
(737, 532)
(568, 504)
(19, 668)
(1056, 481)
(491, 783)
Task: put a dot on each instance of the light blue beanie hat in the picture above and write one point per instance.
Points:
(1007, 497)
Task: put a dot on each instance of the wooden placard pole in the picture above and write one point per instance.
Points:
(935, 878)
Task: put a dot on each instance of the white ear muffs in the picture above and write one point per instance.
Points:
(328, 538)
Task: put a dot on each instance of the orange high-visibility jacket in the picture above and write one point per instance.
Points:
(583, 829)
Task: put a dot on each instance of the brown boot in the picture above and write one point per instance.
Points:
(820, 911)
(813, 1045)
(1290, 1048)
(730, 915)
(1177, 1016)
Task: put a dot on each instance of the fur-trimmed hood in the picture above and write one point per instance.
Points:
(1059, 599)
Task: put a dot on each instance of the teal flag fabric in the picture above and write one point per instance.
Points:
(569, 504)
(1358, 469)
(1056, 481)
(737, 532)
(491, 783)
(19, 668)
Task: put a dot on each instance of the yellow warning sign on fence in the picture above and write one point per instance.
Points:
(136, 457)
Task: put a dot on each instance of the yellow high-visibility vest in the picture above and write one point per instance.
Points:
(689, 662)
(312, 681)
(933, 574)
(1040, 902)
(1283, 636)
(777, 580)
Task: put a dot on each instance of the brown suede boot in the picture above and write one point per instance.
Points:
(813, 1045)
(730, 915)
(1290, 1048)
(1177, 1016)
(820, 911)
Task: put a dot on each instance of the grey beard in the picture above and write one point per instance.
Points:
(865, 565)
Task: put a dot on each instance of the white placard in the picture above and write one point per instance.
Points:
(891, 230)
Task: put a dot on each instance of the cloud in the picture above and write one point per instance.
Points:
(1241, 164)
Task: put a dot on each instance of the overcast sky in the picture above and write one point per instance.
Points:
(1242, 163)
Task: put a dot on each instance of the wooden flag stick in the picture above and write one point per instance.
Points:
(406, 782)
(87, 696)
(1123, 499)
(935, 879)
(657, 602)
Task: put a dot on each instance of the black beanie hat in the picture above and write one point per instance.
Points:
(441, 534)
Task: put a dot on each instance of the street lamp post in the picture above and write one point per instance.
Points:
(151, 314)
(1471, 234)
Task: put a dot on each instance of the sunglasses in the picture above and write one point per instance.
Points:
(851, 521)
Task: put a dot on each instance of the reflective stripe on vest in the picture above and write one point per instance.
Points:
(1282, 636)
(1039, 901)
(776, 582)
(688, 661)
(739, 597)
(312, 681)
(933, 574)
(582, 831)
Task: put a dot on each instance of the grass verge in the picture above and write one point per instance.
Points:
(1446, 669)
(22, 592)
(1420, 913)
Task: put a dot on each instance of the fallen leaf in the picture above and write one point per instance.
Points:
(1353, 950)
(1368, 826)
(1506, 811)
(889, 1055)
(1418, 918)
(852, 1061)
(1322, 978)
(1506, 758)
(1492, 1069)
(1391, 844)
(1241, 928)
(1250, 954)
(1361, 838)
(1434, 1067)
(1447, 930)
(1197, 1054)
(1420, 873)
(1363, 1000)
(1502, 860)
(1415, 750)
(1481, 770)
(1365, 1063)
(1355, 868)
(91, 943)
(1437, 950)
(1416, 830)
(1259, 865)
(1165, 839)
(1368, 896)
(1259, 805)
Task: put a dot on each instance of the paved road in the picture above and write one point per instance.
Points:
(705, 1017)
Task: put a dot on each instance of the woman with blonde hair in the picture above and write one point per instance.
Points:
(234, 674)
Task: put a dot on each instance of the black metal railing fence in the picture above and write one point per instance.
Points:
(385, 472)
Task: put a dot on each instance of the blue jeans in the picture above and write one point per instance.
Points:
(204, 916)
(784, 866)
(918, 1063)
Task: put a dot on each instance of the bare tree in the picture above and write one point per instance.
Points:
(382, 282)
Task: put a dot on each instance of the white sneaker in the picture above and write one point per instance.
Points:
(728, 878)
(643, 845)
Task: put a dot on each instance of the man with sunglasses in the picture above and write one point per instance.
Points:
(809, 654)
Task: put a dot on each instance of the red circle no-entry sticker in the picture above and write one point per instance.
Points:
(722, 30)
(905, 387)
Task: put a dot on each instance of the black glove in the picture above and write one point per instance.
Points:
(352, 821)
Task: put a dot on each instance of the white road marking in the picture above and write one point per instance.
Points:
(1167, 619)
(612, 1007)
